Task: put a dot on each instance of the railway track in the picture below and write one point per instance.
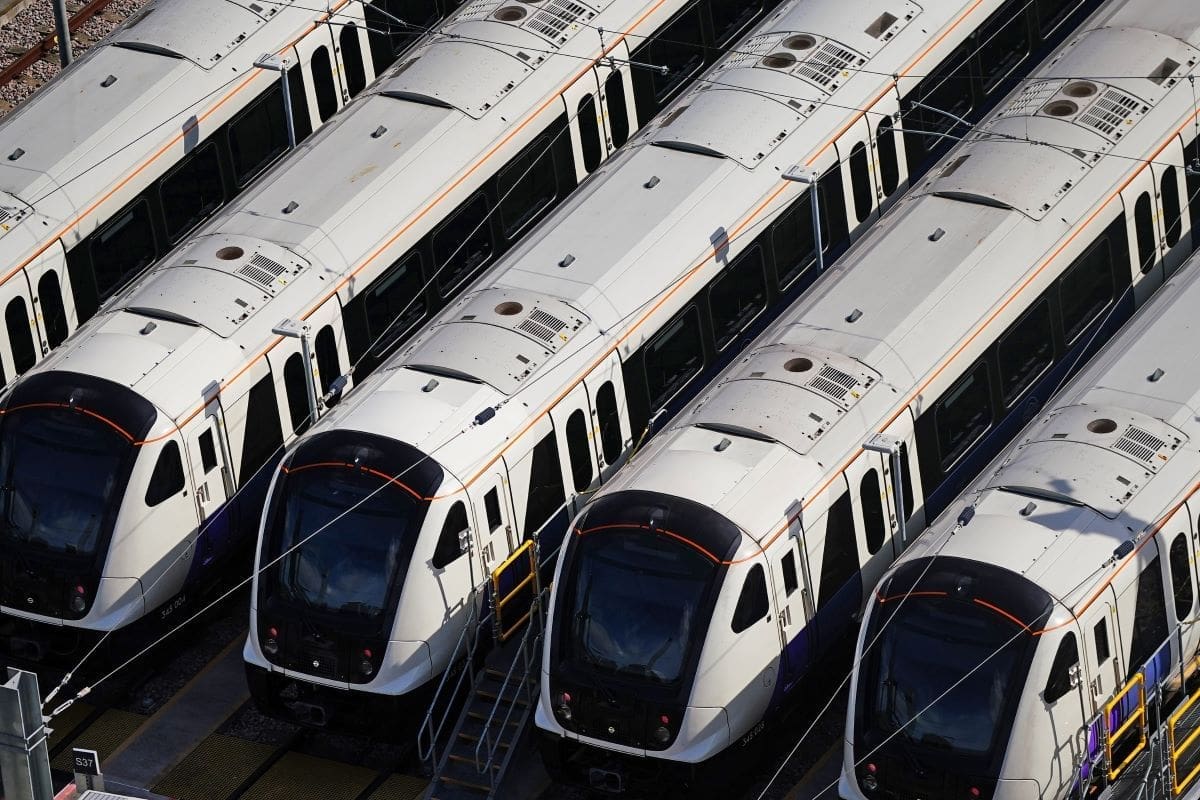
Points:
(29, 43)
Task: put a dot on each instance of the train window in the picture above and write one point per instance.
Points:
(258, 135)
(860, 182)
(1051, 13)
(462, 245)
(1143, 226)
(889, 161)
(392, 25)
(1004, 43)
(753, 603)
(679, 48)
(54, 315)
(1149, 617)
(323, 84)
(737, 296)
(1100, 635)
(394, 303)
(20, 334)
(675, 356)
(328, 363)
(610, 422)
(167, 479)
(352, 59)
(1086, 289)
(618, 112)
(1172, 214)
(546, 494)
(527, 186)
(264, 433)
(208, 451)
(906, 484)
(296, 390)
(491, 505)
(872, 511)
(301, 119)
(191, 192)
(945, 95)
(589, 132)
(579, 451)
(963, 414)
(1191, 156)
(730, 18)
(792, 240)
(839, 563)
(1060, 680)
(788, 565)
(1025, 351)
(122, 248)
(450, 542)
(1181, 577)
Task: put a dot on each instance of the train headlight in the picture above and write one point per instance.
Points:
(78, 600)
(366, 666)
(270, 644)
(662, 734)
(564, 706)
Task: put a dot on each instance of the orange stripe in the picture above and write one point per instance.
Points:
(79, 409)
(634, 526)
(1005, 614)
(343, 465)
(69, 226)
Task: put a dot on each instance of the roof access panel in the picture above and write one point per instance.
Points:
(202, 31)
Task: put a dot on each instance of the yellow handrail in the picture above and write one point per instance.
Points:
(1178, 786)
(1139, 681)
(526, 549)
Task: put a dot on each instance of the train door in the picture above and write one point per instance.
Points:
(22, 345)
(610, 415)
(910, 480)
(1178, 538)
(1102, 652)
(1145, 233)
(619, 109)
(1170, 183)
(833, 552)
(856, 154)
(327, 344)
(536, 479)
(887, 151)
(572, 418)
(583, 111)
(1142, 614)
(208, 457)
(496, 533)
(792, 600)
(54, 309)
(1067, 707)
(871, 519)
(354, 65)
(315, 56)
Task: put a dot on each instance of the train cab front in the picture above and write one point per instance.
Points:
(943, 661)
(643, 670)
(341, 631)
(76, 456)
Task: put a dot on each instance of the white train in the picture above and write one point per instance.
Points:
(529, 391)
(124, 154)
(1075, 574)
(699, 586)
(141, 438)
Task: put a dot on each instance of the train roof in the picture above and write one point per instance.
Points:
(1109, 460)
(611, 253)
(849, 355)
(123, 101)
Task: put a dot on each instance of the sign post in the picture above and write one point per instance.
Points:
(24, 759)
(87, 770)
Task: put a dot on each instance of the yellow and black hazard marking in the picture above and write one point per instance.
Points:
(400, 787)
(104, 736)
(68, 723)
(215, 769)
(300, 777)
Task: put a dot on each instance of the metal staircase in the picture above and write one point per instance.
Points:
(494, 700)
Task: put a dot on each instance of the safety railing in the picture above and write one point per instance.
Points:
(515, 577)
(1181, 750)
(1134, 723)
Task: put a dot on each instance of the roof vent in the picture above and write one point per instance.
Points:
(553, 20)
(1163, 71)
(881, 25)
(1139, 443)
(261, 270)
(542, 325)
(1113, 110)
(828, 64)
(833, 383)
